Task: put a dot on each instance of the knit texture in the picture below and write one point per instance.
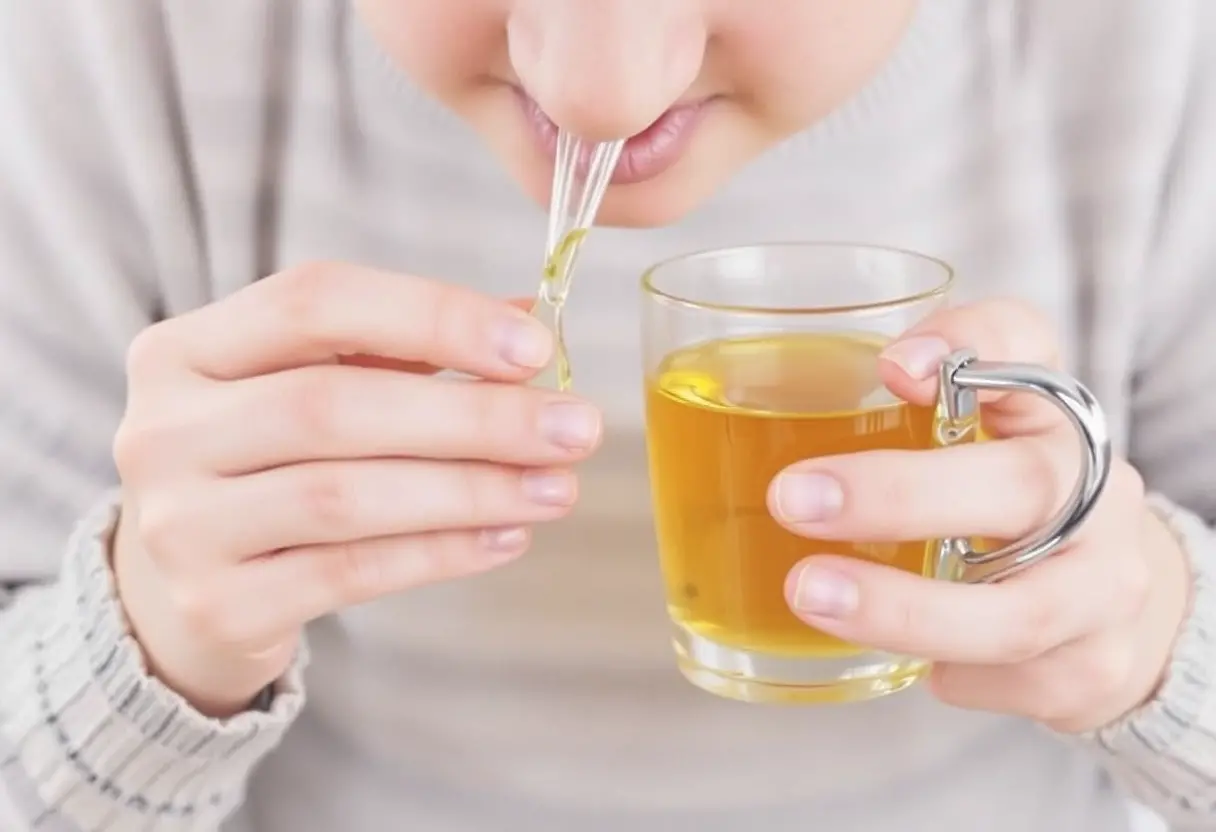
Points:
(100, 738)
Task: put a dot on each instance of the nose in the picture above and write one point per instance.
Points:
(606, 69)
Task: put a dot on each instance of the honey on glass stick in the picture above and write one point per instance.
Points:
(574, 201)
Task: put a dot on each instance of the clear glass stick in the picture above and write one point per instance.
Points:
(577, 193)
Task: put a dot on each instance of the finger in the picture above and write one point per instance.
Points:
(1004, 489)
(998, 330)
(379, 362)
(1076, 687)
(317, 313)
(329, 412)
(333, 502)
(1006, 623)
(269, 597)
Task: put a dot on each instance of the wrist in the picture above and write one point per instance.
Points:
(1166, 611)
(1176, 589)
(1167, 738)
(92, 723)
(212, 680)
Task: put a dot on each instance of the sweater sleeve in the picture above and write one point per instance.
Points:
(95, 204)
(1165, 753)
(89, 741)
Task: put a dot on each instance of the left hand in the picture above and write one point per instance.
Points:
(1076, 641)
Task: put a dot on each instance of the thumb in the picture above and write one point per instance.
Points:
(1007, 331)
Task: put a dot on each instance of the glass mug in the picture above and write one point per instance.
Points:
(758, 357)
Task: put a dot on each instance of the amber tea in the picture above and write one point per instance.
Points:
(726, 413)
(723, 419)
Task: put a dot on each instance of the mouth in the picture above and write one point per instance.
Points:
(645, 156)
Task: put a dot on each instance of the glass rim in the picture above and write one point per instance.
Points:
(938, 289)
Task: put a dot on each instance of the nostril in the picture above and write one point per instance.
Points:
(598, 110)
(604, 71)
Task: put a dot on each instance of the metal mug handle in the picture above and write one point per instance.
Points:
(962, 376)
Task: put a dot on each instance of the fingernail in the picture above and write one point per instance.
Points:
(571, 425)
(505, 540)
(919, 357)
(525, 342)
(808, 498)
(549, 488)
(825, 593)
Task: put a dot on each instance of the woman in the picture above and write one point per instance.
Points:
(286, 458)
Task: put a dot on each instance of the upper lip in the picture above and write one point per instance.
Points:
(687, 103)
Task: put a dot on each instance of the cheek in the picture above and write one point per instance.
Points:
(447, 48)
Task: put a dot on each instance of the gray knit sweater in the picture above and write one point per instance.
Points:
(155, 156)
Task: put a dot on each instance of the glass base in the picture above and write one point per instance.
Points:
(763, 678)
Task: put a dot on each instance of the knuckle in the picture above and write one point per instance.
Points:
(1107, 669)
(486, 412)
(445, 556)
(192, 605)
(354, 573)
(1128, 484)
(314, 405)
(201, 607)
(134, 446)
(126, 449)
(159, 529)
(1131, 582)
(507, 418)
(1122, 500)
(491, 494)
(906, 619)
(147, 441)
(1066, 692)
(328, 494)
(1022, 314)
(1039, 461)
(1025, 318)
(898, 494)
(482, 492)
(438, 556)
(148, 349)
(1038, 624)
(302, 297)
(444, 314)
(1025, 331)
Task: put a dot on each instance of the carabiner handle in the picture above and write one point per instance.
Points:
(962, 377)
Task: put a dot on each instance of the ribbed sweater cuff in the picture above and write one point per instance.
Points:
(1166, 750)
(95, 738)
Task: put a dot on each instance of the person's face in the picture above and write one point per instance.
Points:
(702, 86)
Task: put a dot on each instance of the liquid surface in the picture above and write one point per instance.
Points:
(551, 301)
(722, 420)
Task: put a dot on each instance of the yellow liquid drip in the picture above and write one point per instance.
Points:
(550, 303)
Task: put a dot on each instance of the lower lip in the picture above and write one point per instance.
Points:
(645, 156)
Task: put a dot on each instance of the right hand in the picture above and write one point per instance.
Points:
(287, 452)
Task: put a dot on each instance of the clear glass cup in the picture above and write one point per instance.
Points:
(757, 357)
